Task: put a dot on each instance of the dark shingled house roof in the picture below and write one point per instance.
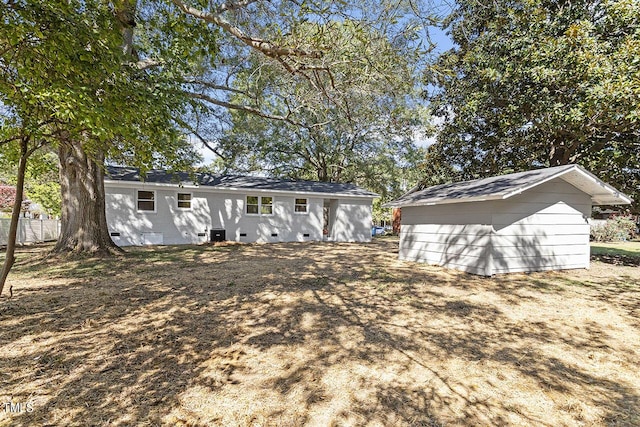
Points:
(237, 182)
(505, 186)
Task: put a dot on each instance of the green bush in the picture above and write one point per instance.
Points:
(616, 229)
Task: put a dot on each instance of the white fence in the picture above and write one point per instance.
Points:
(31, 230)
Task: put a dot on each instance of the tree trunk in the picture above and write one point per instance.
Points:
(15, 215)
(555, 156)
(84, 222)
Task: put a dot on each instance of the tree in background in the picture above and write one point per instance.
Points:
(42, 185)
(46, 195)
(41, 180)
(538, 83)
(355, 122)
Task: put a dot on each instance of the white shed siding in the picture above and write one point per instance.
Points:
(447, 235)
(545, 228)
(542, 229)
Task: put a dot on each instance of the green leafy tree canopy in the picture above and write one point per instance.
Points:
(536, 83)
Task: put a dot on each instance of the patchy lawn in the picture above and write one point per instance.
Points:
(623, 253)
(622, 248)
(318, 334)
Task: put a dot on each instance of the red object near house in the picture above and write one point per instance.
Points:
(396, 215)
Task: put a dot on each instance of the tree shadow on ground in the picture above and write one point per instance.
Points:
(288, 334)
(617, 259)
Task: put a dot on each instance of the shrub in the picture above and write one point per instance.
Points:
(7, 196)
(616, 229)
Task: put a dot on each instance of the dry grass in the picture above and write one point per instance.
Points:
(317, 334)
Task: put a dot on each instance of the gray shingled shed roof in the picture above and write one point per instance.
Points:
(234, 182)
(505, 186)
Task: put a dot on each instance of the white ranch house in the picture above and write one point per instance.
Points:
(178, 208)
(521, 222)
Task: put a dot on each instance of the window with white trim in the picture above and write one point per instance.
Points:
(301, 206)
(259, 205)
(253, 206)
(184, 200)
(266, 205)
(146, 200)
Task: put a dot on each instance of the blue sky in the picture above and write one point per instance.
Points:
(441, 40)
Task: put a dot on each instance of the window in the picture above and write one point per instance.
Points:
(259, 205)
(266, 205)
(252, 205)
(301, 206)
(146, 200)
(184, 200)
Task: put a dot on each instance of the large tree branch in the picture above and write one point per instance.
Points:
(200, 137)
(147, 63)
(126, 15)
(233, 5)
(8, 140)
(261, 45)
(245, 108)
(214, 86)
(36, 147)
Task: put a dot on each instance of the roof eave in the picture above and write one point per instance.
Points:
(593, 187)
(524, 188)
(608, 200)
(217, 189)
(432, 202)
(612, 196)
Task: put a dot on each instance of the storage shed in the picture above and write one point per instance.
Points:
(521, 222)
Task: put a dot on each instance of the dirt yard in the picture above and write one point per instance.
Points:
(314, 334)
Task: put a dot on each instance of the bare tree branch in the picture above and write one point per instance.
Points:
(264, 46)
(246, 108)
(214, 86)
(8, 140)
(233, 6)
(200, 137)
(145, 64)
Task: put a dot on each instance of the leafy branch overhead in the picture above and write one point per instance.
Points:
(163, 62)
(341, 88)
(264, 46)
(261, 42)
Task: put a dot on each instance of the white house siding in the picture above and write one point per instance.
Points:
(545, 228)
(350, 220)
(285, 225)
(167, 225)
(212, 210)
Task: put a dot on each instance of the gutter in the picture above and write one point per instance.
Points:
(142, 184)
